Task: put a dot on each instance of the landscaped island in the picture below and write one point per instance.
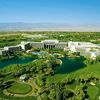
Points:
(50, 66)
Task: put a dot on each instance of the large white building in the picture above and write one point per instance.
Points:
(94, 55)
(12, 49)
(9, 50)
(82, 47)
(3, 52)
(87, 46)
(25, 46)
(49, 44)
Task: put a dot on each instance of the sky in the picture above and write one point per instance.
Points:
(50, 11)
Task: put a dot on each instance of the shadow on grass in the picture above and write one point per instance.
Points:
(71, 64)
(8, 84)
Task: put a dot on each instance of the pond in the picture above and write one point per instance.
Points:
(71, 64)
(6, 63)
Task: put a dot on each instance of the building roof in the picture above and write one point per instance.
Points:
(84, 44)
(11, 46)
(24, 43)
(50, 41)
(22, 77)
(3, 50)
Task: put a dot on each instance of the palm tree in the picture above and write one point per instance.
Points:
(1, 87)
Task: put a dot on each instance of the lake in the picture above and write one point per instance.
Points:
(71, 64)
(6, 63)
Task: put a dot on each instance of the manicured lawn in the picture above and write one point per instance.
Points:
(19, 88)
(8, 77)
(98, 85)
(83, 72)
(93, 92)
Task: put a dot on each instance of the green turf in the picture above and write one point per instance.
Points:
(83, 72)
(92, 92)
(19, 88)
(98, 85)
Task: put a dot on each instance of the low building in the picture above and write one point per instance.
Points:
(12, 49)
(73, 49)
(82, 45)
(37, 45)
(86, 46)
(25, 46)
(94, 55)
(23, 77)
(61, 45)
(49, 44)
(3, 52)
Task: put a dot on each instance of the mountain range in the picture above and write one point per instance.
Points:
(21, 26)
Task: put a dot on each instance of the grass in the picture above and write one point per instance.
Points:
(8, 77)
(90, 70)
(4, 97)
(84, 72)
(19, 88)
(98, 85)
(92, 92)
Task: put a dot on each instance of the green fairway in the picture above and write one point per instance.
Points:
(83, 72)
(19, 88)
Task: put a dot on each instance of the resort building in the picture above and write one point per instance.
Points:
(49, 44)
(23, 77)
(94, 55)
(25, 46)
(82, 46)
(37, 45)
(3, 52)
(9, 50)
(85, 48)
(12, 49)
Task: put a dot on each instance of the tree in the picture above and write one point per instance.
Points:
(1, 87)
(44, 96)
(40, 82)
(52, 94)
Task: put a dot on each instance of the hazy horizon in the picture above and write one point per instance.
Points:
(20, 26)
